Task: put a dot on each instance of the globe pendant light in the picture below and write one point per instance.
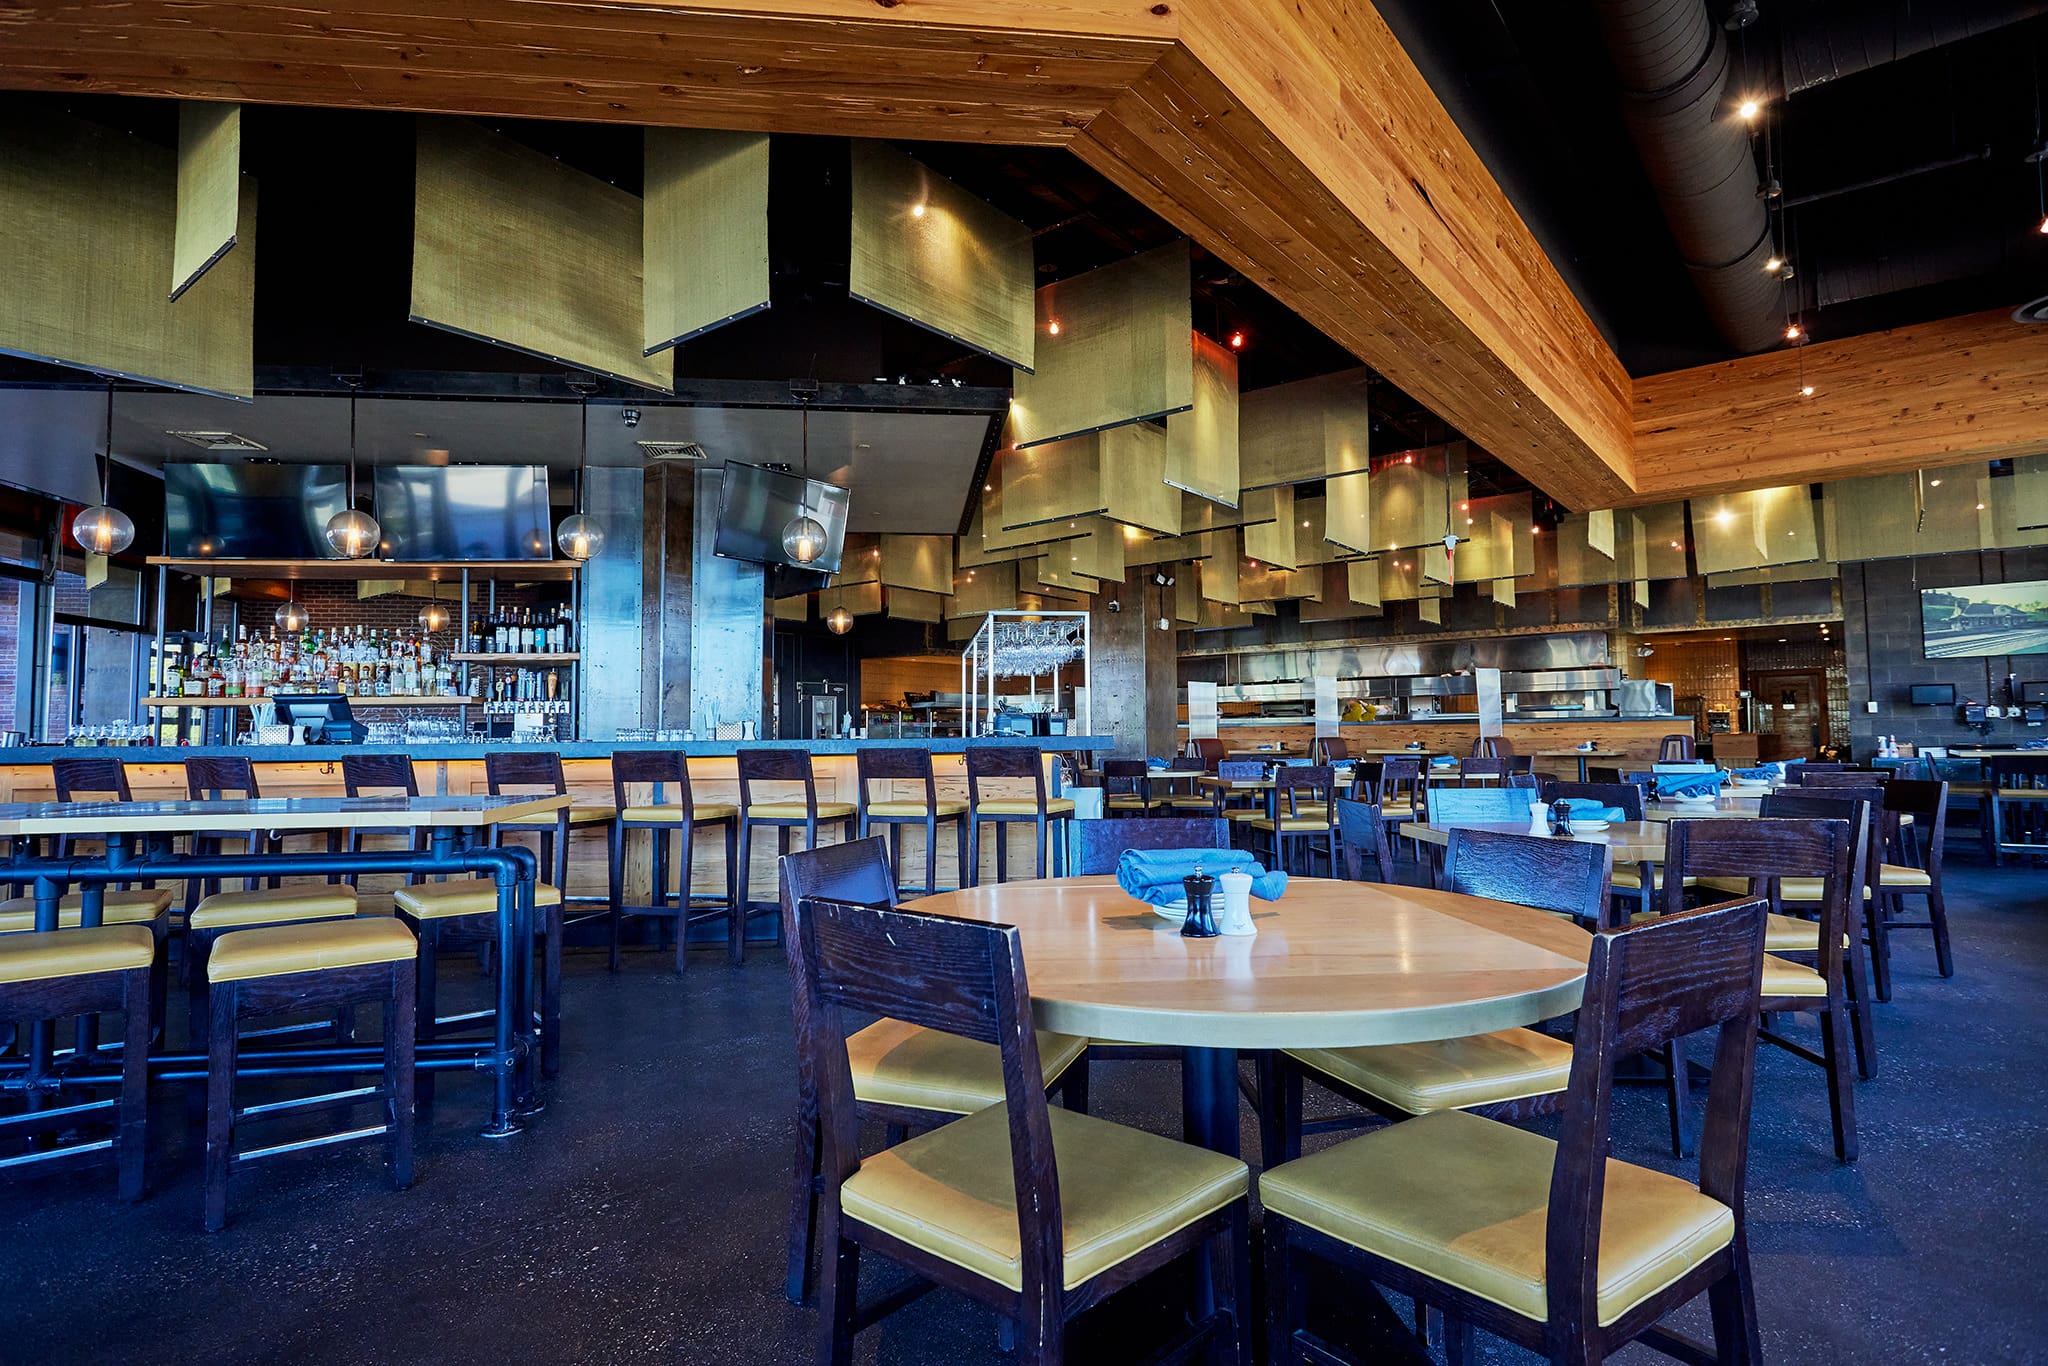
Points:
(100, 529)
(803, 538)
(352, 533)
(293, 617)
(839, 621)
(581, 537)
(434, 617)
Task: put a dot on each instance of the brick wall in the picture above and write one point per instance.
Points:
(335, 605)
(1886, 655)
(1711, 669)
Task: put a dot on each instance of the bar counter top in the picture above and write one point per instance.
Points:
(430, 752)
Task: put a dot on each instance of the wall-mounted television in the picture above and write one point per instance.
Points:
(464, 512)
(1934, 694)
(1985, 619)
(251, 511)
(755, 503)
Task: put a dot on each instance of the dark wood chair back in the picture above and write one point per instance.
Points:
(871, 764)
(1492, 747)
(656, 770)
(1004, 763)
(857, 870)
(1797, 774)
(1601, 773)
(1124, 777)
(1483, 766)
(1096, 846)
(1362, 835)
(522, 773)
(1864, 806)
(1676, 749)
(775, 766)
(1367, 777)
(1927, 803)
(220, 778)
(378, 775)
(1627, 796)
(1646, 986)
(1289, 783)
(95, 777)
(1566, 876)
(959, 977)
(1529, 783)
(1771, 848)
(1333, 750)
(1846, 777)
(1211, 752)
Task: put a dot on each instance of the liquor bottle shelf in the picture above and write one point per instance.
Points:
(469, 657)
(355, 701)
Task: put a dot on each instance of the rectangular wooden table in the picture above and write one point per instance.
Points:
(152, 825)
(1581, 755)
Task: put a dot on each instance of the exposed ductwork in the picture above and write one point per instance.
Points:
(1671, 61)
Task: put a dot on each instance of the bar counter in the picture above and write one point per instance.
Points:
(1635, 737)
(156, 773)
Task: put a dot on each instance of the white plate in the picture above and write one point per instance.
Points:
(1175, 911)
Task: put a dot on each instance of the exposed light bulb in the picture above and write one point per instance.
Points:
(1934, 483)
(917, 210)
(1806, 391)
(103, 530)
(1052, 328)
(1793, 332)
(1773, 265)
(1747, 109)
(1237, 341)
(839, 621)
(580, 537)
(2043, 229)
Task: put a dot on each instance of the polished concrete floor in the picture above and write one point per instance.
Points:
(640, 1218)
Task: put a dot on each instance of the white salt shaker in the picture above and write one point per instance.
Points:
(1237, 904)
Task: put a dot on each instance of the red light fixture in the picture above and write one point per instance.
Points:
(1052, 329)
(1237, 341)
(1793, 332)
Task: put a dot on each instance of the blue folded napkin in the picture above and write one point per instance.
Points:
(1590, 809)
(1685, 784)
(1154, 875)
(1762, 773)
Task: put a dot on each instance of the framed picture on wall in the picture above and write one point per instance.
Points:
(1985, 619)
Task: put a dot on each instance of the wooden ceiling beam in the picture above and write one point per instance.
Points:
(1297, 142)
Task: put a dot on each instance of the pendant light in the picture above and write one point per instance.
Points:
(351, 532)
(581, 537)
(803, 538)
(434, 617)
(292, 618)
(839, 621)
(100, 529)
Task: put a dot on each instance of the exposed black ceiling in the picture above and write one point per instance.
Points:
(1909, 196)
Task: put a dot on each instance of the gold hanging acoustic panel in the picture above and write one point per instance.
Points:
(860, 560)
(920, 563)
(703, 234)
(209, 189)
(1111, 347)
(515, 248)
(1600, 532)
(990, 588)
(1347, 512)
(908, 604)
(1275, 542)
(1307, 430)
(1753, 530)
(1198, 515)
(1119, 474)
(1098, 555)
(1202, 441)
(91, 226)
(797, 608)
(1879, 517)
(1187, 596)
(1362, 583)
(932, 254)
(1219, 573)
(862, 599)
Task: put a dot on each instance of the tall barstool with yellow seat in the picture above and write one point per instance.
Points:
(223, 912)
(509, 773)
(877, 765)
(380, 775)
(651, 789)
(429, 908)
(145, 906)
(216, 778)
(333, 964)
(780, 766)
(1011, 764)
(54, 974)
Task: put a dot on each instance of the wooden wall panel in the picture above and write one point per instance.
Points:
(927, 251)
(513, 247)
(704, 232)
(1120, 355)
(209, 189)
(91, 226)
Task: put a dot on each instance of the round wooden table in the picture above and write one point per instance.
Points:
(1335, 964)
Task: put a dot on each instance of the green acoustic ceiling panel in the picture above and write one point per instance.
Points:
(1202, 442)
(1753, 530)
(513, 247)
(209, 189)
(920, 563)
(1120, 352)
(1277, 543)
(1308, 430)
(704, 232)
(929, 252)
(90, 219)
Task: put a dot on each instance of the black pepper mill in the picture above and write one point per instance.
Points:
(1201, 921)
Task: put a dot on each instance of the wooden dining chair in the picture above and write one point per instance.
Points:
(1676, 749)
(1298, 821)
(380, 775)
(1914, 867)
(1173, 790)
(1404, 793)
(1556, 1246)
(1123, 787)
(1040, 1213)
(214, 778)
(2016, 795)
(1768, 850)
(1096, 847)
(651, 791)
(1487, 767)
(1362, 836)
(1863, 806)
(1210, 752)
(1507, 1074)
(87, 778)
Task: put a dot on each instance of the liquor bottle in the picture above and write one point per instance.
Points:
(554, 684)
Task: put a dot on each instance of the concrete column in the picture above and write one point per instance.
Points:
(1133, 682)
(611, 603)
(729, 604)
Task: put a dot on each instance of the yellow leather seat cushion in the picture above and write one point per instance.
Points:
(673, 811)
(1452, 1073)
(944, 809)
(1123, 801)
(471, 896)
(1294, 825)
(35, 957)
(1782, 977)
(904, 1064)
(578, 815)
(1185, 801)
(1733, 886)
(1900, 875)
(2038, 794)
(794, 811)
(1628, 877)
(1465, 1200)
(316, 946)
(269, 905)
(951, 1193)
(1024, 806)
(137, 906)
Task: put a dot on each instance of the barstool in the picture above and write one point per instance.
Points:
(339, 964)
(49, 975)
(427, 907)
(1295, 822)
(379, 775)
(910, 765)
(223, 912)
(663, 816)
(779, 766)
(1002, 763)
(1676, 749)
(524, 774)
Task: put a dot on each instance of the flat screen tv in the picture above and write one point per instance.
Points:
(755, 503)
(1985, 619)
(250, 511)
(464, 512)
(1934, 694)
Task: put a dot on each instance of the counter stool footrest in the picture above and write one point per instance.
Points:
(319, 1141)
